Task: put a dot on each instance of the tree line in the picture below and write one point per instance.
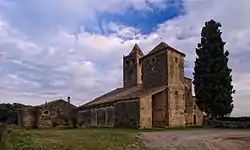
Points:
(9, 112)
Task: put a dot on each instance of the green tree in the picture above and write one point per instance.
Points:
(212, 76)
(8, 112)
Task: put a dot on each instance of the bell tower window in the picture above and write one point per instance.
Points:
(127, 63)
(132, 62)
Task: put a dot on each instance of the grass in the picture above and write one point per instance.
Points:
(72, 139)
(78, 139)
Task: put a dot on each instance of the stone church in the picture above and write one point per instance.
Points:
(155, 93)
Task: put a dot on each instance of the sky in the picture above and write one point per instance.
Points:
(54, 49)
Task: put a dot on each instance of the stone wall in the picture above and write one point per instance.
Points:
(189, 102)
(100, 116)
(159, 109)
(127, 113)
(176, 107)
(227, 124)
(154, 70)
(146, 112)
(199, 114)
(176, 89)
(29, 117)
(131, 70)
(55, 114)
(118, 114)
(175, 68)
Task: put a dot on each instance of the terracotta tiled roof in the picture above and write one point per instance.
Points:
(125, 94)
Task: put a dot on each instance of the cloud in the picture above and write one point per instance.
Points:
(62, 62)
(184, 33)
(44, 16)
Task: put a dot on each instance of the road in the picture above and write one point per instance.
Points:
(202, 139)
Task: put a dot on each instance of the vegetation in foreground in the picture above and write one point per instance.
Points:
(72, 139)
(9, 112)
(77, 139)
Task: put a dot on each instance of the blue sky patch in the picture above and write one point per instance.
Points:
(145, 20)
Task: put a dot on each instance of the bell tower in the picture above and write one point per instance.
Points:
(132, 67)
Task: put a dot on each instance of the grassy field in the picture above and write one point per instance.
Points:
(72, 139)
(77, 139)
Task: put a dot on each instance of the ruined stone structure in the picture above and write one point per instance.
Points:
(155, 93)
(58, 113)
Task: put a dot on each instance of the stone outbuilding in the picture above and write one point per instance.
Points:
(57, 113)
(155, 93)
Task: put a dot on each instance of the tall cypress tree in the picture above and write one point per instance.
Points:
(212, 76)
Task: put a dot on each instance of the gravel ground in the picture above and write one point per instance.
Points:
(204, 139)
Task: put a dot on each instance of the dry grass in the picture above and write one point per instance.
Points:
(72, 139)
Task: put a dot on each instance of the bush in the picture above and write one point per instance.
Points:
(9, 112)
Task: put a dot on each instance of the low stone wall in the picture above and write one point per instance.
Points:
(227, 124)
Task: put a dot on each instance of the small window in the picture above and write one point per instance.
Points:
(46, 112)
(58, 112)
(132, 62)
(194, 107)
(153, 60)
(176, 93)
(127, 63)
(176, 59)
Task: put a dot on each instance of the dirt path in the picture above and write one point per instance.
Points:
(198, 140)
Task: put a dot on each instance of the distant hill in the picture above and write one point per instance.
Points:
(8, 112)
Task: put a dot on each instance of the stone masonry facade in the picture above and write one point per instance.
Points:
(58, 113)
(155, 93)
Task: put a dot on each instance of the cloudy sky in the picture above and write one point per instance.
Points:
(54, 49)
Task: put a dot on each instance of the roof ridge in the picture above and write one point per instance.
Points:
(162, 46)
(159, 47)
(54, 101)
(136, 49)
